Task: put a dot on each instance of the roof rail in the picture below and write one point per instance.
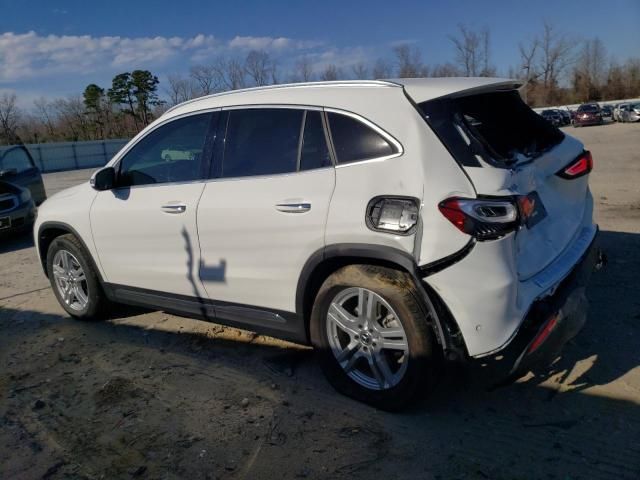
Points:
(334, 83)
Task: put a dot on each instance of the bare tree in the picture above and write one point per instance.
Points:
(9, 118)
(274, 72)
(71, 114)
(258, 67)
(331, 72)
(45, 115)
(556, 56)
(382, 69)
(205, 77)
(230, 73)
(409, 62)
(589, 73)
(528, 59)
(181, 89)
(360, 71)
(303, 70)
(488, 70)
(472, 52)
(445, 70)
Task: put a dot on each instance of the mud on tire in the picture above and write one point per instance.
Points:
(397, 290)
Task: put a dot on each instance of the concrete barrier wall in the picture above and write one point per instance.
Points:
(56, 157)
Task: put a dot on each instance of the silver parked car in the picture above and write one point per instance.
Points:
(631, 113)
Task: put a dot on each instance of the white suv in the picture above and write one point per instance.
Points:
(390, 224)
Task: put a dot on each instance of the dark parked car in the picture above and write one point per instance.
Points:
(553, 117)
(607, 111)
(566, 117)
(17, 167)
(17, 208)
(588, 114)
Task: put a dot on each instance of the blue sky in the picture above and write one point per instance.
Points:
(54, 48)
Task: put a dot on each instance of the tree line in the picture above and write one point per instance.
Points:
(554, 68)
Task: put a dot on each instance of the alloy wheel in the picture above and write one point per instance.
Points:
(70, 280)
(367, 338)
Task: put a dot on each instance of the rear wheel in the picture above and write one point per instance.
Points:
(74, 280)
(372, 336)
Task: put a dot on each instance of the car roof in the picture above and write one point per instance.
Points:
(419, 89)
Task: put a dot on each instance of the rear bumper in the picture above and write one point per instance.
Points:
(588, 121)
(550, 323)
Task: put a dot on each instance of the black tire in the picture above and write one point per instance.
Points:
(98, 305)
(398, 290)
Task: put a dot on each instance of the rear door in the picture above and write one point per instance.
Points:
(264, 213)
(507, 149)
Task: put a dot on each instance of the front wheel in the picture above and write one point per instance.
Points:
(74, 280)
(372, 335)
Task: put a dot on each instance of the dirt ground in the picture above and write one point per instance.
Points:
(150, 395)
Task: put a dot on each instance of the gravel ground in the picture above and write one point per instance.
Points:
(151, 395)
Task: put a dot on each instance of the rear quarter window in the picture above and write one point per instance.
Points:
(354, 141)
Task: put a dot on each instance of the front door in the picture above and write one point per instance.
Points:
(145, 228)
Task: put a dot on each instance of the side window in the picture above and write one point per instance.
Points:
(314, 153)
(354, 141)
(16, 159)
(171, 153)
(261, 141)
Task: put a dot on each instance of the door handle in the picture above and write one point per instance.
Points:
(174, 208)
(293, 207)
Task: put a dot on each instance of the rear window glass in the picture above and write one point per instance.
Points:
(355, 141)
(588, 108)
(262, 141)
(499, 127)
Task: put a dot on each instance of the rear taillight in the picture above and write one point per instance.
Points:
(579, 167)
(485, 219)
(492, 218)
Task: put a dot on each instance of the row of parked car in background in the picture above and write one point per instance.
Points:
(592, 114)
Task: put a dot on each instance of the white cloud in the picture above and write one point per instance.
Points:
(341, 57)
(30, 55)
(271, 43)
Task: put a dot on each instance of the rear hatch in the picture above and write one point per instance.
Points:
(506, 149)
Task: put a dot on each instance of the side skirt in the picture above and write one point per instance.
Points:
(274, 323)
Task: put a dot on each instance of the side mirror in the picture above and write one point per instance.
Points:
(104, 179)
(10, 172)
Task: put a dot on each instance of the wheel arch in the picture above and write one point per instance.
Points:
(48, 232)
(329, 259)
